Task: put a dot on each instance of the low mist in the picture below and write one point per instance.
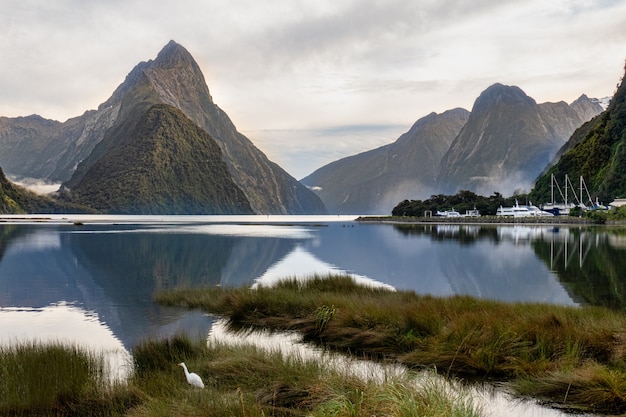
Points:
(37, 186)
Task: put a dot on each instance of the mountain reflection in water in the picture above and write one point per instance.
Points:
(110, 271)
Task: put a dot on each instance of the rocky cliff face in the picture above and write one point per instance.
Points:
(174, 78)
(21, 143)
(373, 182)
(508, 140)
(64, 152)
(34, 147)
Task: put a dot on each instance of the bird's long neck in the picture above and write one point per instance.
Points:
(185, 368)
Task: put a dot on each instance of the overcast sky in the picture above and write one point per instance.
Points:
(311, 81)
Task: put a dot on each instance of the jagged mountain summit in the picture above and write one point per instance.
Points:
(604, 102)
(66, 152)
(508, 140)
(373, 182)
(597, 152)
(175, 78)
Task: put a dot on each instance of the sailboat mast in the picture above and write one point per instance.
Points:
(552, 189)
(566, 180)
(581, 192)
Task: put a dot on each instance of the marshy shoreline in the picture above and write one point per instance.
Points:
(573, 358)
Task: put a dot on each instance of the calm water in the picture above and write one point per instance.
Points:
(92, 283)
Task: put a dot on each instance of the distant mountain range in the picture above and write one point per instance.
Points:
(376, 180)
(160, 145)
(96, 159)
(502, 145)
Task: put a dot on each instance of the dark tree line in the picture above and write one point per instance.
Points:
(462, 201)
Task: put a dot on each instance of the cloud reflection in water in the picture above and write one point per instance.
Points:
(301, 264)
(67, 324)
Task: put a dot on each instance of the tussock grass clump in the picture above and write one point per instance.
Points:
(401, 397)
(459, 336)
(598, 386)
(53, 379)
(153, 354)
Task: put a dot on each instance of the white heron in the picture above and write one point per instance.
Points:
(192, 378)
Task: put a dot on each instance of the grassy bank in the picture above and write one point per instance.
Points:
(247, 381)
(573, 357)
(240, 381)
(57, 380)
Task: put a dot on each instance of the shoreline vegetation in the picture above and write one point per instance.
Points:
(57, 380)
(572, 358)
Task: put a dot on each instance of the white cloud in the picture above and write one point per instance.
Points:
(305, 66)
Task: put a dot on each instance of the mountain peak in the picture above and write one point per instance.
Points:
(173, 54)
(584, 99)
(507, 140)
(586, 107)
(174, 76)
(502, 94)
(173, 44)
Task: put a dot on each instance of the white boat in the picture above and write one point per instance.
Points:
(522, 211)
(536, 211)
(515, 211)
(448, 213)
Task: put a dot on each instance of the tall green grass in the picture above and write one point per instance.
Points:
(57, 380)
(574, 357)
(249, 381)
(460, 336)
(401, 397)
